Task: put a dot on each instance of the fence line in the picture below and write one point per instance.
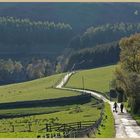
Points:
(69, 130)
(86, 132)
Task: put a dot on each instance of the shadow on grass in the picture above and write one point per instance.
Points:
(80, 99)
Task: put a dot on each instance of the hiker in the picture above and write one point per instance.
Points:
(121, 106)
(115, 106)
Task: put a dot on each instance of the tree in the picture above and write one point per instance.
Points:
(130, 53)
(38, 68)
(127, 75)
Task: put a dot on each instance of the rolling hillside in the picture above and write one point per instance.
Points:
(93, 79)
(47, 30)
(96, 79)
(80, 16)
(33, 90)
(32, 97)
(71, 109)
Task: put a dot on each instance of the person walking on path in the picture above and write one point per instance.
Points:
(121, 106)
(115, 106)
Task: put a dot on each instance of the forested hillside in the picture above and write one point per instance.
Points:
(40, 39)
(78, 15)
(98, 46)
(25, 37)
(45, 29)
(12, 71)
(104, 34)
(97, 56)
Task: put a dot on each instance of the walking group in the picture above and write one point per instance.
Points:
(115, 107)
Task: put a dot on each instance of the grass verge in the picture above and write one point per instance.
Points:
(106, 129)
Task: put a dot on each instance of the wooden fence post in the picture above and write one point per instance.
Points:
(29, 124)
(64, 127)
(13, 128)
(80, 125)
(47, 129)
(50, 128)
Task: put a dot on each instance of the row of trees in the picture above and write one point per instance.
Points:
(100, 55)
(28, 32)
(104, 34)
(15, 71)
(127, 74)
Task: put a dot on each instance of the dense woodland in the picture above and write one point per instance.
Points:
(53, 38)
(88, 53)
(97, 56)
(25, 36)
(104, 34)
(79, 15)
(97, 46)
(14, 71)
(31, 32)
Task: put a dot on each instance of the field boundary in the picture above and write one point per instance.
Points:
(101, 93)
(89, 130)
(82, 98)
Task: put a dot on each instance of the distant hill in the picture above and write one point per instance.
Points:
(62, 32)
(78, 15)
(100, 55)
(33, 90)
(24, 37)
(103, 34)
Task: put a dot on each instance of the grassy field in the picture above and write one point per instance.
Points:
(106, 129)
(4, 113)
(43, 89)
(33, 90)
(88, 111)
(94, 79)
(19, 135)
(73, 113)
(39, 89)
(97, 79)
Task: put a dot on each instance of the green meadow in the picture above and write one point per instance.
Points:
(33, 90)
(74, 113)
(93, 79)
(97, 79)
(38, 90)
(43, 88)
(106, 129)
